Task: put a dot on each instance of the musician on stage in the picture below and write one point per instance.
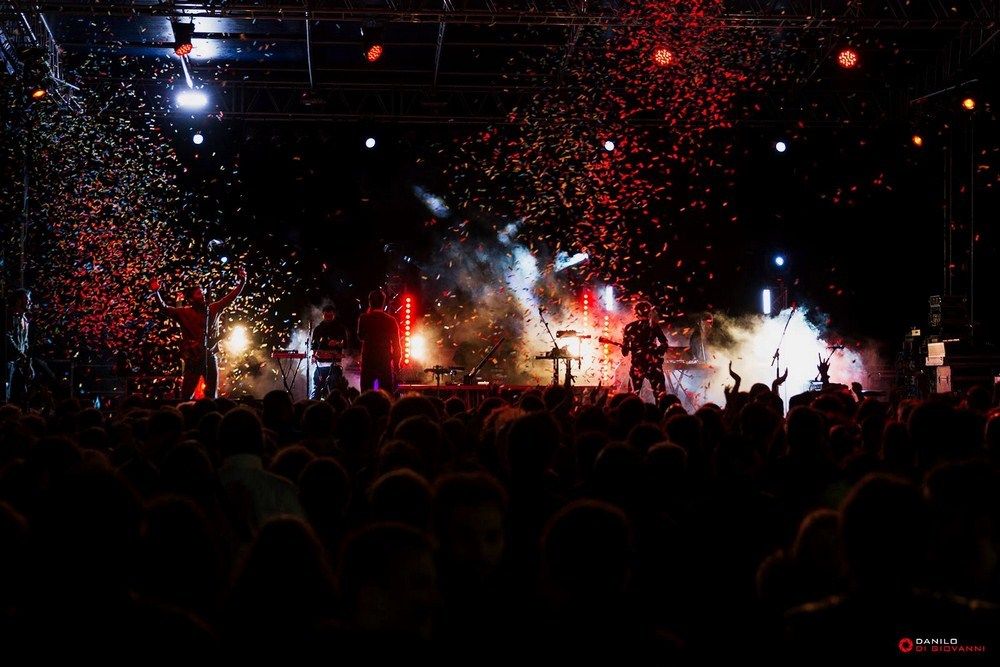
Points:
(644, 340)
(328, 341)
(199, 322)
(19, 370)
(381, 354)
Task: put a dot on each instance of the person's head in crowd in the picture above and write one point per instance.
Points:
(278, 411)
(401, 496)
(883, 529)
(208, 431)
(325, 493)
(617, 474)
(978, 399)
(531, 401)
(685, 431)
(188, 471)
(377, 403)
(354, 430)
(400, 455)
(283, 582)
(588, 444)
(388, 582)
(530, 444)
(845, 439)
(592, 419)
(14, 557)
(87, 531)
(93, 438)
(468, 516)
(180, 558)
(289, 462)
(424, 434)
(329, 312)
(240, 432)
(163, 430)
(664, 472)
(558, 399)
(993, 435)
(411, 406)
(628, 412)
(585, 554)
(964, 501)
(816, 552)
(806, 433)
(454, 407)
(643, 436)
(318, 421)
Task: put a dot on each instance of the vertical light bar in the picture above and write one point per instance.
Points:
(606, 330)
(407, 324)
(609, 298)
(586, 309)
(765, 302)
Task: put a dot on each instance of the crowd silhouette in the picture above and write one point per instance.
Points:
(540, 525)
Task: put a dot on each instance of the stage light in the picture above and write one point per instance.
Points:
(765, 302)
(373, 45)
(182, 38)
(407, 330)
(969, 104)
(374, 52)
(609, 145)
(917, 140)
(609, 298)
(779, 260)
(191, 99)
(848, 58)
(370, 142)
(198, 138)
(418, 348)
(780, 146)
(38, 93)
(662, 56)
(238, 340)
(224, 259)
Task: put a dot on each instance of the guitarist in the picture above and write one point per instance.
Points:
(19, 370)
(199, 322)
(643, 339)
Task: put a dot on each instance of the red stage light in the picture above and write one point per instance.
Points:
(183, 49)
(374, 52)
(407, 322)
(38, 93)
(662, 56)
(848, 58)
(917, 140)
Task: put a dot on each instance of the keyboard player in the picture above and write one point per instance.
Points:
(328, 341)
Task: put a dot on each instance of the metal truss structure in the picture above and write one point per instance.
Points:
(957, 34)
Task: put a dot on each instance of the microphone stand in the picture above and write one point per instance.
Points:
(777, 351)
(555, 348)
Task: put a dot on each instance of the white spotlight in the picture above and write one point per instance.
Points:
(609, 298)
(370, 142)
(781, 146)
(609, 145)
(198, 138)
(779, 260)
(191, 99)
(765, 302)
